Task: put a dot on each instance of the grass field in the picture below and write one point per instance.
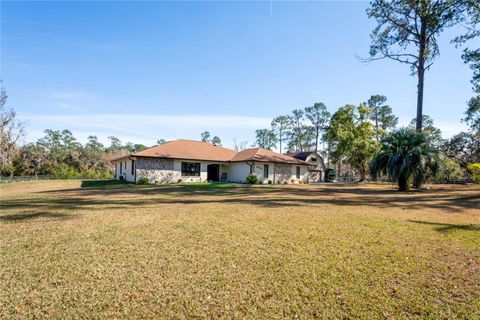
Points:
(72, 249)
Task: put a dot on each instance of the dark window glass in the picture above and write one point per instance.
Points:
(298, 172)
(265, 171)
(121, 168)
(125, 165)
(190, 169)
(133, 167)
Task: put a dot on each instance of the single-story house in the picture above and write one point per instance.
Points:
(196, 161)
(316, 169)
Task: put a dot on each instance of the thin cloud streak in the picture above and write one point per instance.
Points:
(147, 128)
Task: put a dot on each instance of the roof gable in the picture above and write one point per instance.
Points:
(188, 149)
(198, 150)
(263, 155)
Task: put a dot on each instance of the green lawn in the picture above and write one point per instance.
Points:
(73, 249)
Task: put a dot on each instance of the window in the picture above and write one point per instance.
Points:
(121, 167)
(265, 171)
(125, 165)
(298, 172)
(190, 169)
(133, 166)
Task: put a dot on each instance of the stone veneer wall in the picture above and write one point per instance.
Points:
(156, 170)
(283, 172)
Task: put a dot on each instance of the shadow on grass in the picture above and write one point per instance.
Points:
(111, 194)
(102, 183)
(447, 227)
(17, 217)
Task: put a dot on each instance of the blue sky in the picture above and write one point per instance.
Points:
(147, 70)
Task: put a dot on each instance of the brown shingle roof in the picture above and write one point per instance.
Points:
(188, 149)
(263, 155)
(197, 150)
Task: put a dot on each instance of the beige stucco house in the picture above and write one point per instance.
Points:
(196, 161)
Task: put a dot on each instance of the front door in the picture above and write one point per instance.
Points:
(213, 172)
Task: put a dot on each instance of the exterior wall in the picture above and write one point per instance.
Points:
(159, 170)
(317, 168)
(283, 172)
(303, 172)
(237, 172)
(126, 170)
(156, 170)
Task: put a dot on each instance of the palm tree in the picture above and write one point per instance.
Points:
(405, 154)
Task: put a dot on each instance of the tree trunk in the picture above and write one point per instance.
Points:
(316, 141)
(421, 74)
(421, 78)
(280, 139)
(363, 174)
(403, 183)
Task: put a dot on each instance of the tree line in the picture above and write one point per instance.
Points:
(58, 153)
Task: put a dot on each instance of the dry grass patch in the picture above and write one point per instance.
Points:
(103, 250)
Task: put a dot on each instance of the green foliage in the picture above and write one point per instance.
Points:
(433, 133)
(135, 147)
(251, 179)
(216, 140)
(115, 144)
(472, 115)
(300, 135)
(381, 115)
(449, 170)
(68, 172)
(351, 136)
(205, 136)
(464, 147)
(280, 127)
(318, 117)
(330, 175)
(471, 56)
(8, 169)
(407, 27)
(265, 139)
(474, 169)
(161, 141)
(403, 155)
(407, 32)
(143, 180)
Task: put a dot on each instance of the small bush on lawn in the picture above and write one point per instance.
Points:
(251, 179)
(143, 180)
(474, 169)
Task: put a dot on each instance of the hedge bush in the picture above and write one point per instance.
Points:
(69, 172)
(474, 169)
(143, 180)
(251, 179)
